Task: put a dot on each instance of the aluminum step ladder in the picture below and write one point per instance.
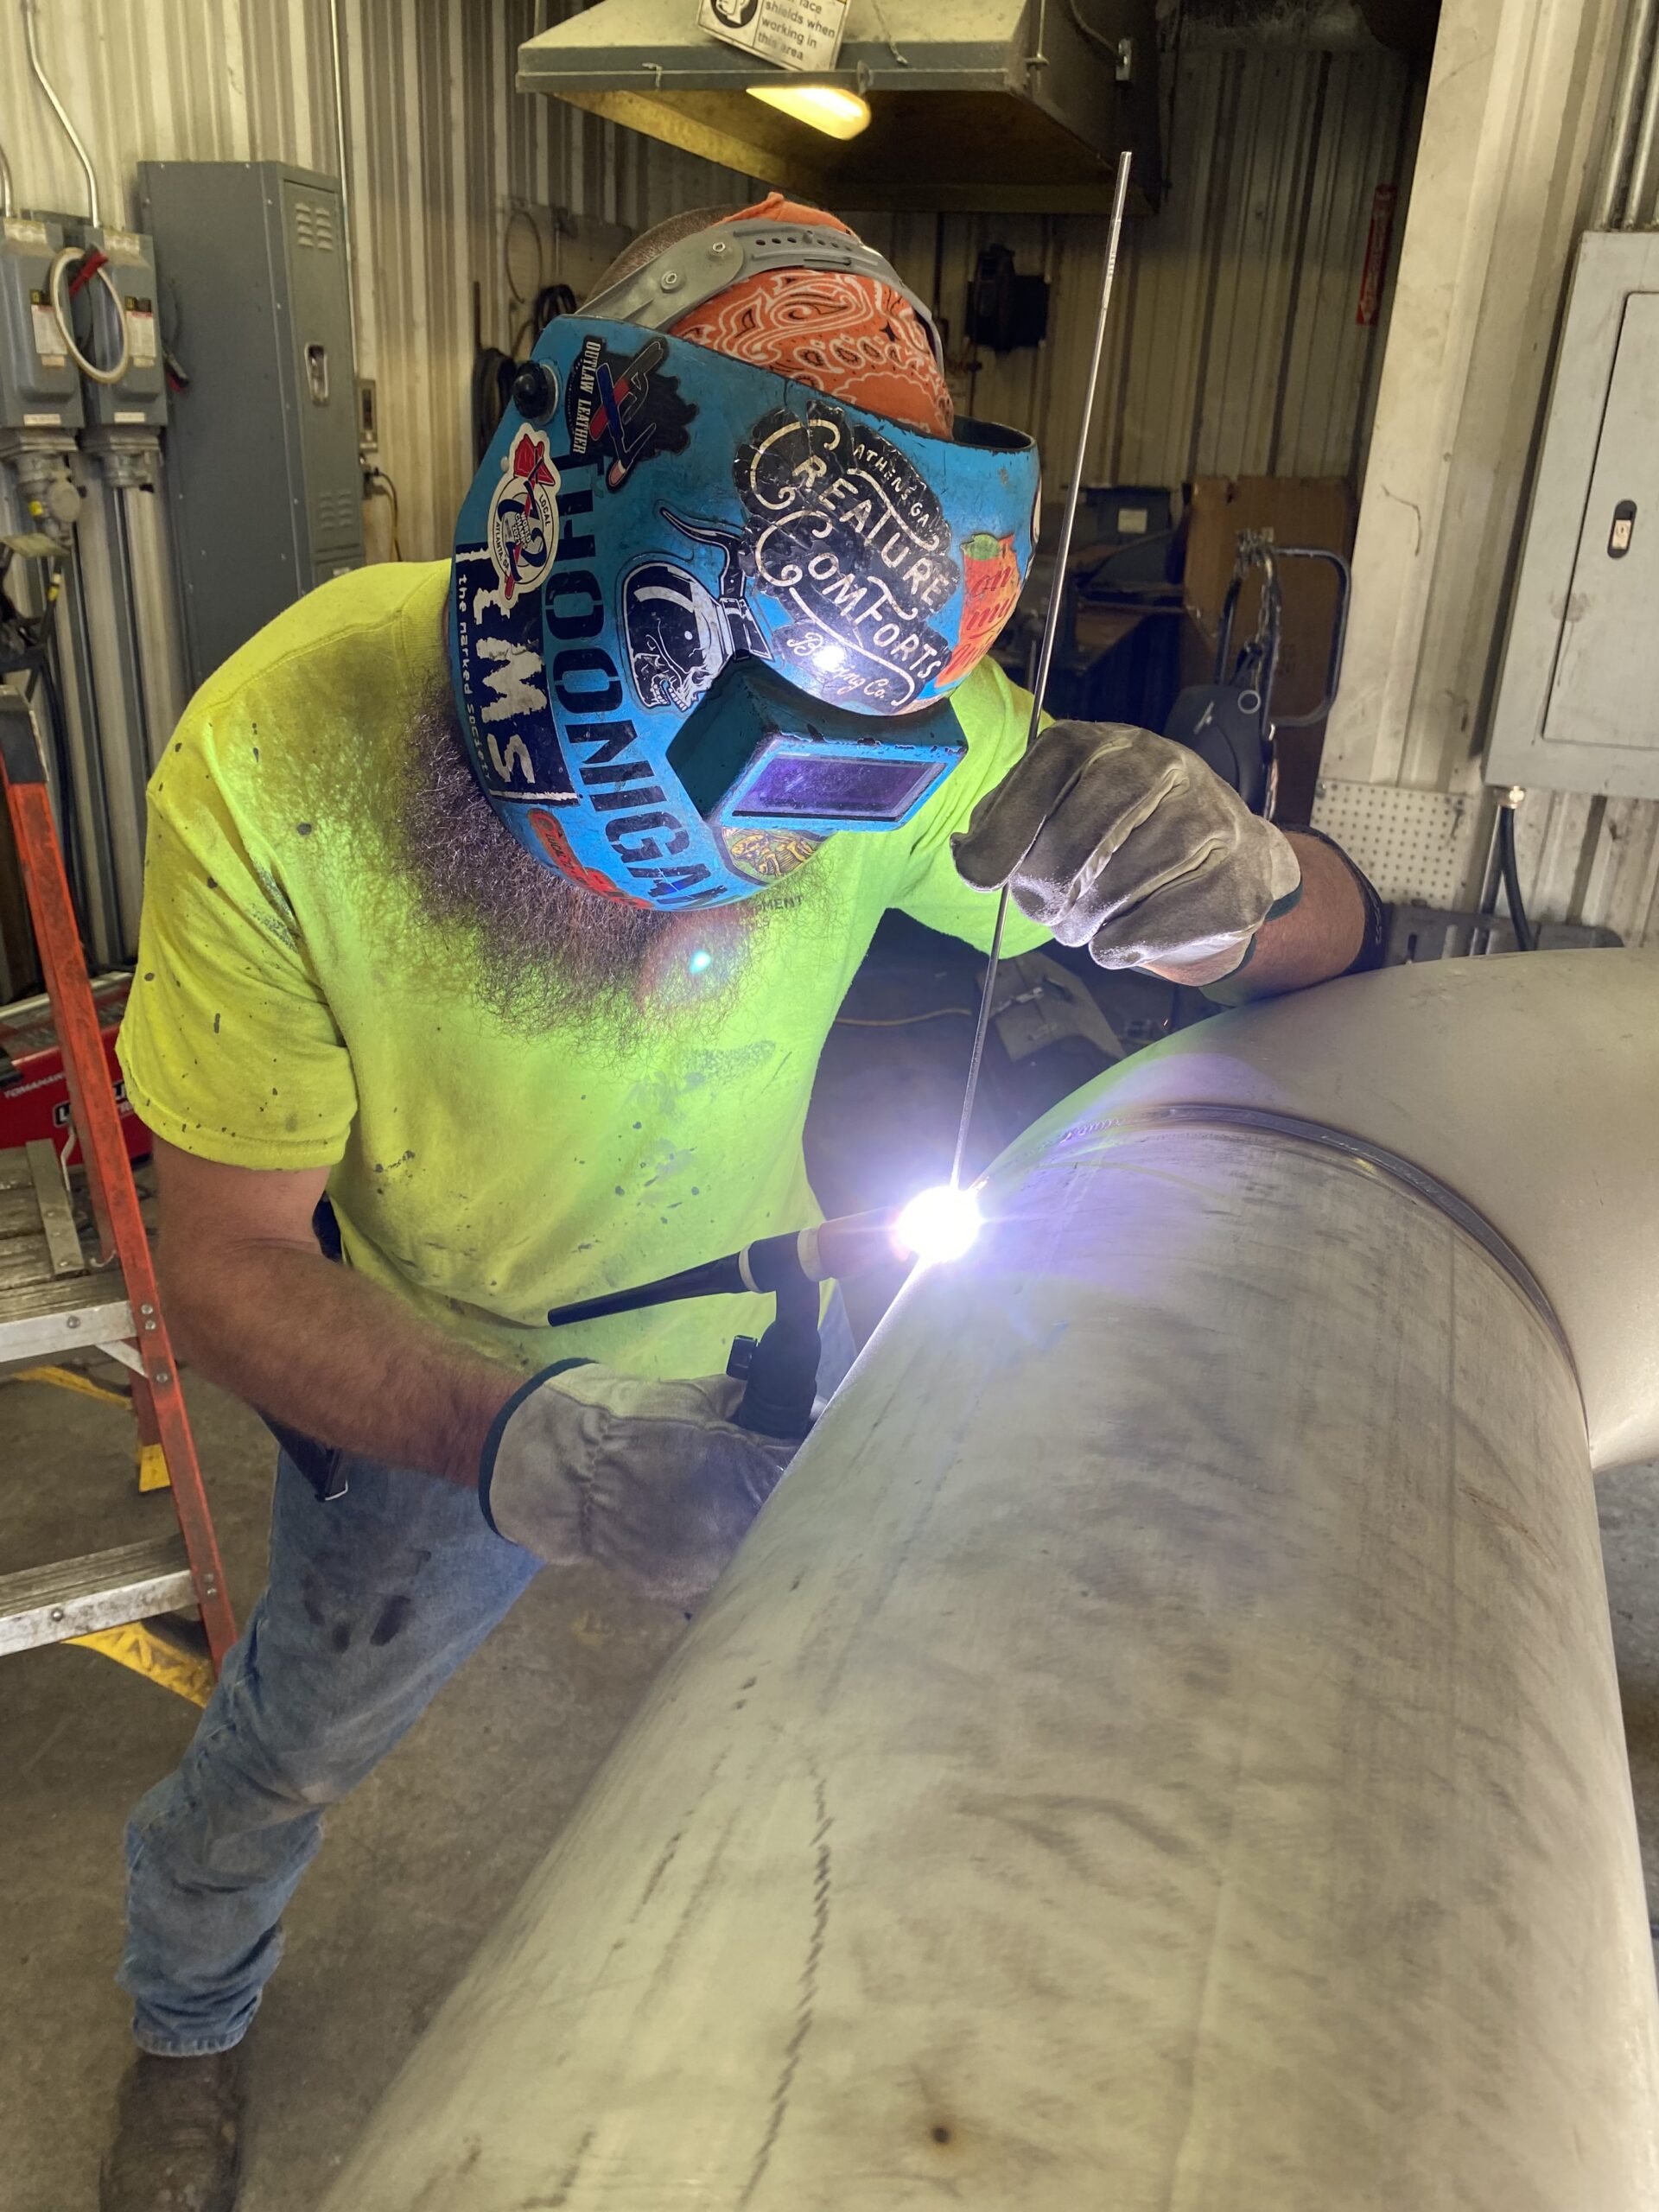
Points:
(63, 1292)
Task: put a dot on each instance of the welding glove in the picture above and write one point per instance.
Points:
(1129, 843)
(651, 1479)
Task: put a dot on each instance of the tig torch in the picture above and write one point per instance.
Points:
(780, 1371)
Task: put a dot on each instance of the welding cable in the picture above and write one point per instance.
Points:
(381, 486)
(1106, 44)
(1096, 583)
(904, 1020)
(549, 304)
(519, 214)
(1525, 937)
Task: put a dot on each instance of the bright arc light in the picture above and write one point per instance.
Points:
(938, 1225)
(699, 960)
(829, 108)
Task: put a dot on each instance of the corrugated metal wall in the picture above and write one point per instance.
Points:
(1238, 351)
(441, 148)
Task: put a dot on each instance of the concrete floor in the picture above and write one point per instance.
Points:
(415, 1867)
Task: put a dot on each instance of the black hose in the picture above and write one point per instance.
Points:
(1525, 938)
(28, 649)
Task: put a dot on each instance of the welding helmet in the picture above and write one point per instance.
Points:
(701, 614)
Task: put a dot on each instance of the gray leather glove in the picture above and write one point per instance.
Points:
(1129, 843)
(651, 1479)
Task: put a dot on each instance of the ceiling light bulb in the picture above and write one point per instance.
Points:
(938, 1225)
(829, 108)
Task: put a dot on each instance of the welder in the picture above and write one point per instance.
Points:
(496, 911)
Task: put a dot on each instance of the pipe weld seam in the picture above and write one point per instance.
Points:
(1355, 1151)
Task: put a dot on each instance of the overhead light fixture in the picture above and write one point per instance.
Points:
(991, 105)
(829, 108)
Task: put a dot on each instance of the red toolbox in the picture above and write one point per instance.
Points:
(33, 1096)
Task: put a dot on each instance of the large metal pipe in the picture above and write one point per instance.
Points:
(1529, 1086)
(1160, 1746)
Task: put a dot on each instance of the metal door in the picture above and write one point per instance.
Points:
(1605, 688)
(324, 377)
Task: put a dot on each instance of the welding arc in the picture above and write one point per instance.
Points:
(1051, 629)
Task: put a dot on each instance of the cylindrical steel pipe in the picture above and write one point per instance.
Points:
(1158, 1748)
(1644, 155)
(119, 767)
(1635, 61)
(155, 614)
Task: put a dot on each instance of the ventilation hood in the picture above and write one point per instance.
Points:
(999, 106)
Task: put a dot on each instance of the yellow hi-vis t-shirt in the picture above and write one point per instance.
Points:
(295, 1007)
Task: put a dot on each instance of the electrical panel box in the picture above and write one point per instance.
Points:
(262, 467)
(122, 294)
(40, 389)
(1578, 698)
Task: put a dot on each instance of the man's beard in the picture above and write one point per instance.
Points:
(544, 953)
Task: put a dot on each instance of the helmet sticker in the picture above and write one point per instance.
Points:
(845, 529)
(625, 407)
(524, 522)
(990, 592)
(681, 634)
(515, 753)
(549, 833)
(766, 854)
(678, 642)
(747, 636)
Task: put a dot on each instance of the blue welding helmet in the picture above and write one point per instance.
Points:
(702, 616)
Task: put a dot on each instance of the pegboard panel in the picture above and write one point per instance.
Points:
(1421, 846)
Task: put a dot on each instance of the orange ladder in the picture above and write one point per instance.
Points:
(56, 1297)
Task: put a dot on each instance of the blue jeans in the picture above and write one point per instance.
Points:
(373, 1600)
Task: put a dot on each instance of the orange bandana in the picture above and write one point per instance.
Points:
(850, 337)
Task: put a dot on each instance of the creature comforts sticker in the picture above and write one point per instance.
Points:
(844, 531)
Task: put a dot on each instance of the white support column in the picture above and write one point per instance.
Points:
(1506, 172)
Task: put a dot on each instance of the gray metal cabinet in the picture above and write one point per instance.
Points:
(262, 467)
(1578, 699)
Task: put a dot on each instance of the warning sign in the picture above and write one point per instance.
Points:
(140, 332)
(797, 34)
(49, 344)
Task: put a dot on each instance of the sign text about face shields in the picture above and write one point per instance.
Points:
(795, 34)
